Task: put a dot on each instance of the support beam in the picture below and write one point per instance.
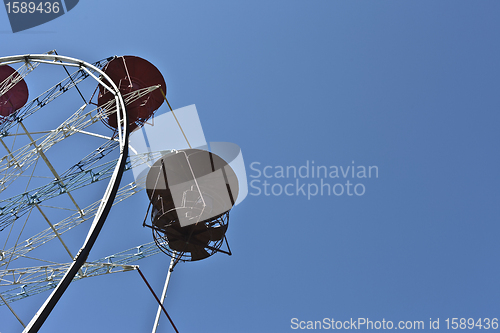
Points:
(46, 160)
(12, 310)
(54, 230)
(164, 293)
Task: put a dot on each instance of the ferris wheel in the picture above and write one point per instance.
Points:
(57, 150)
(65, 147)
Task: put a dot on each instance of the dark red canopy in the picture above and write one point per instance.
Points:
(131, 73)
(16, 96)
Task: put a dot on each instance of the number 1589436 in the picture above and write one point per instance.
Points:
(32, 7)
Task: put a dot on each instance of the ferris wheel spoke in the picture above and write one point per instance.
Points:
(78, 176)
(12, 158)
(48, 96)
(53, 170)
(31, 133)
(34, 280)
(58, 235)
(10, 231)
(55, 230)
(16, 206)
(41, 260)
(23, 157)
(10, 258)
(61, 208)
(30, 274)
(12, 310)
(12, 167)
(63, 226)
(97, 135)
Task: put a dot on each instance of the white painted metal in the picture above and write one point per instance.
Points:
(27, 281)
(164, 293)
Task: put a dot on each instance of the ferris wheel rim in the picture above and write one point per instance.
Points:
(114, 182)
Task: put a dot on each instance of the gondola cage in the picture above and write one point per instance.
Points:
(191, 192)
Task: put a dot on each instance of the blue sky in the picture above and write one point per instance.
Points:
(410, 87)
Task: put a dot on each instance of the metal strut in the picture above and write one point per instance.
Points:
(164, 294)
(106, 203)
(156, 297)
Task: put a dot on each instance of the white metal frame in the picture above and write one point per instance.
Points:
(30, 61)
